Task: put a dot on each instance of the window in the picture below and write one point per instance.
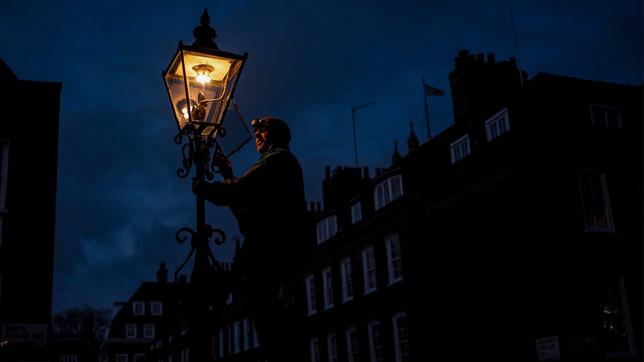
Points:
(139, 357)
(327, 287)
(352, 344)
(68, 358)
(255, 338)
(138, 308)
(310, 294)
(148, 330)
(460, 148)
(246, 335)
(369, 270)
(356, 212)
(347, 279)
(387, 191)
(497, 125)
(315, 349)
(327, 227)
(332, 347)
(4, 171)
(617, 329)
(156, 308)
(185, 355)
(376, 349)
(595, 202)
(603, 116)
(236, 336)
(130, 331)
(394, 259)
(221, 346)
(121, 357)
(401, 338)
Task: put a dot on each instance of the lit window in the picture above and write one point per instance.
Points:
(315, 349)
(603, 116)
(617, 329)
(376, 349)
(369, 270)
(138, 308)
(326, 228)
(352, 344)
(327, 287)
(401, 338)
(356, 212)
(310, 294)
(347, 279)
(156, 308)
(497, 125)
(148, 330)
(394, 259)
(460, 148)
(130, 331)
(332, 347)
(387, 191)
(595, 202)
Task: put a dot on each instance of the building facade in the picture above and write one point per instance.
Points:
(28, 169)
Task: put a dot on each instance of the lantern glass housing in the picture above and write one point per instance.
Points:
(200, 83)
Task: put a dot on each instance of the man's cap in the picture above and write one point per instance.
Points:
(278, 128)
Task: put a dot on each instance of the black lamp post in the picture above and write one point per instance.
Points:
(200, 81)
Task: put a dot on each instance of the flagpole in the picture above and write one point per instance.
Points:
(429, 131)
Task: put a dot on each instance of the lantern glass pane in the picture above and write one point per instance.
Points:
(210, 81)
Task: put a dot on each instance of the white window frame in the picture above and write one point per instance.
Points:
(401, 340)
(628, 326)
(376, 347)
(353, 349)
(327, 228)
(147, 328)
(121, 357)
(135, 308)
(346, 274)
(332, 347)
(138, 357)
(394, 259)
(497, 125)
(129, 327)
(369, 273)
(595, 108)
(310, 295)
(156, 308)
(255, 337)
(387, 191)
(460, 148)
(356, 212)
(327, 287)
(314, 349)
(588, 201)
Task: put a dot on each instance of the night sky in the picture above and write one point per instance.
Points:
(119, 200)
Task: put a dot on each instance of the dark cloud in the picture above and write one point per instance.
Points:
(119, 200)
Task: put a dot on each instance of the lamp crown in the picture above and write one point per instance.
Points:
(204, 34)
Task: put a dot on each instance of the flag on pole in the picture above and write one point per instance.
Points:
(431, 91)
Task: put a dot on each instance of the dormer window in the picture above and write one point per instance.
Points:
(460, 148)
(326, 228)
(497, 125)
(138, 308)
(387, 191)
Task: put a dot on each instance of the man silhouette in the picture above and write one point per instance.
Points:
(269, 205)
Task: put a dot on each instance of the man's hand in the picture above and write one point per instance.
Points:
(223, 164)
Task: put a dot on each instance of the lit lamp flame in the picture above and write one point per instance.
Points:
(203, 73)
